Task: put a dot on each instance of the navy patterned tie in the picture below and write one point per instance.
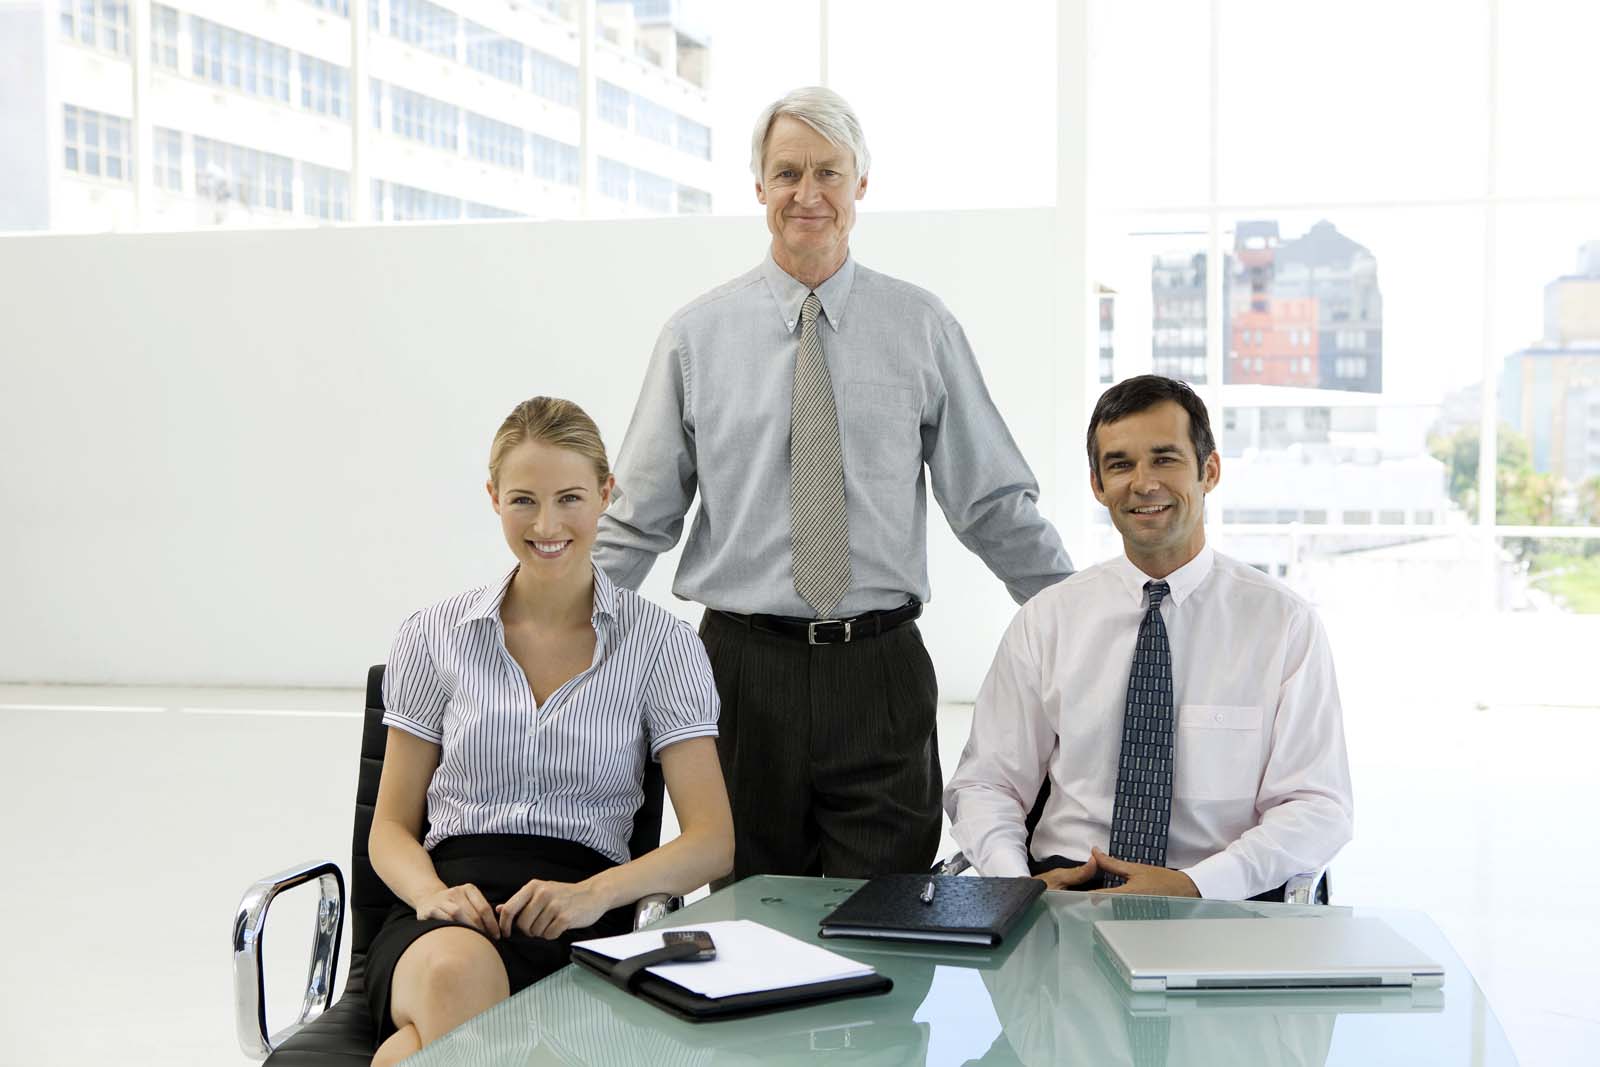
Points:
(1144, 770)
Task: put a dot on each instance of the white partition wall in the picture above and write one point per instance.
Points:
(244, 458)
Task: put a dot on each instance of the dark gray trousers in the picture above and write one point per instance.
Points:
(829, 751)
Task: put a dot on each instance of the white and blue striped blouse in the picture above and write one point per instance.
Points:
(572, 768)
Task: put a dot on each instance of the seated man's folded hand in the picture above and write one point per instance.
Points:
(1144, 878)
(1069, 877)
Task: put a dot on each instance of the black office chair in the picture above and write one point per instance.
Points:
(1308, 888)
(343, 1034)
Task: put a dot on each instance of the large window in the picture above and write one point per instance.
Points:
(1363, 284)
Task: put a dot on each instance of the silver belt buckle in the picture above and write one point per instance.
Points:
(811, 630)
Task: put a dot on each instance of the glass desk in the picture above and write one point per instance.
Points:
(1044, 997)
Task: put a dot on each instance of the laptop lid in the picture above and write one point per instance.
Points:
(1263, 953)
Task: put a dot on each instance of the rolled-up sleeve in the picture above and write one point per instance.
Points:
(656, 473)
(413, 697)
(1305, 802)
(983, 485)
(680, 698)
(1004, 762)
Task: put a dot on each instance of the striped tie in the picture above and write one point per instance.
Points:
(819, 528)
(1144, 771)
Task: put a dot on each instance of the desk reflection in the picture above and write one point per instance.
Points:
(1044, 997)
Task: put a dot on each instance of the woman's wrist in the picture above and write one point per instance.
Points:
(605, 888)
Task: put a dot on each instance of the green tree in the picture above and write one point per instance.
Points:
(1523, 497)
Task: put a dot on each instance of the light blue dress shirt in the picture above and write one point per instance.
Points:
(713, 416)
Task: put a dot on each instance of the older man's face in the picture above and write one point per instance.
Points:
(810, 189)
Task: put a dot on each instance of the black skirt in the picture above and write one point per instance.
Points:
(499, 865)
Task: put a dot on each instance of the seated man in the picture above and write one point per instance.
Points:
(1182, 703)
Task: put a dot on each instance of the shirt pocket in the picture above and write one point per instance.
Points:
(882, 427)
(1219, 752)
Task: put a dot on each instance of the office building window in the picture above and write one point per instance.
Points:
(653, 192)
(239, 61)
(554, 161)
(375, 95)
(653, 121)
(693, 201)
(95, 144)
(613, 104)
(339, 7)
(327, 192)
(694, 138)
(410, 204)
(494, 142)
(324, 88)
(97, 23)
(164, 36)
(554, 80)
(561, 9)
(428, 26)
(230, 173)
(422, 118)
(166, 147)
(615, 180)
(489, 211)
(494, 55)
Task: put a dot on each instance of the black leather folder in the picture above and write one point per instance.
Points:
(695, 1007)
(973, 911)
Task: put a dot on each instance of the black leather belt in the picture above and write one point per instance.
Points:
(829, 631)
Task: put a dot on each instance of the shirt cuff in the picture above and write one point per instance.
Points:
(1006, 864)
(1218, 877)
(416, 729)
(681, 733)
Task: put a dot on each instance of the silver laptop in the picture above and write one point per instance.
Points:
(1193, 955)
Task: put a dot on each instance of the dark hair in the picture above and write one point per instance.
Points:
(1145, 391)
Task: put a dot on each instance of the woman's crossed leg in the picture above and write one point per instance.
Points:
(443, 979)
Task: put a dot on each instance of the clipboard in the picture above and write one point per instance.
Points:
(690, 1005)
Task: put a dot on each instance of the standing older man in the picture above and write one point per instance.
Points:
(802, 399)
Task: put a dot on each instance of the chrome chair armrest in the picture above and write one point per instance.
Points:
(1302, 888)
(249, 983)
(653, 907)
(955, 863)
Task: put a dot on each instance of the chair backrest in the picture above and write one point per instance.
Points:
(370, 898)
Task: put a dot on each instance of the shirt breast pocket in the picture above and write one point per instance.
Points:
(1218, 752)
(882, 433)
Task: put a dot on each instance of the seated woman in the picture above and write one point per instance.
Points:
(520, 715)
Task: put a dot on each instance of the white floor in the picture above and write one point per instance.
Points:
(141, 815)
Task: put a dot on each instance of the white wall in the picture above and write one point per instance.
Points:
(245, 457)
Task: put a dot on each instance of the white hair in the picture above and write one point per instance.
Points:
(824, 111)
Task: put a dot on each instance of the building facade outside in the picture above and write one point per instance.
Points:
(280, 112)
(1550, 391)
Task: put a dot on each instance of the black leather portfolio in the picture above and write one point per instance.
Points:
(695, 1007)
(902, 907)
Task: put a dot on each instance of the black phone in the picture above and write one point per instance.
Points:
(705, 949)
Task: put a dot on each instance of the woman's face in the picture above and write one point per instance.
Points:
(549, 502)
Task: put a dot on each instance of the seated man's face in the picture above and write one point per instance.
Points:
(1154, 487)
